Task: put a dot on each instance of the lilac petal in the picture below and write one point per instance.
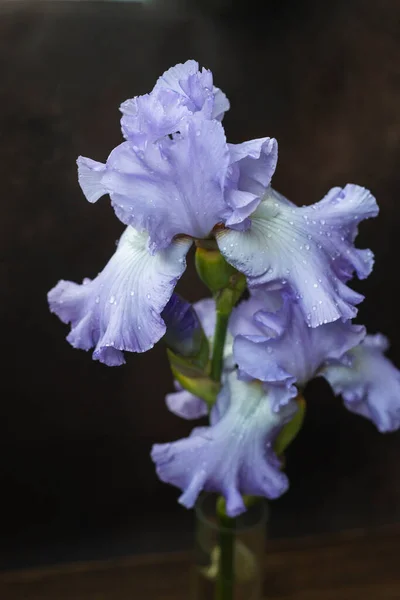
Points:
(259, 316)
(205, 310)
(184, 333)
(253, 164)
(90, 175)
(234, 456)
(152, 116)
(221, 104)
(172, 186)
(296, 350)
(309, 248)
(369, 384)
(120, 309)
(185, 405)
(196, 87)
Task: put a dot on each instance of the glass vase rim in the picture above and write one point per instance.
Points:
(261, 506)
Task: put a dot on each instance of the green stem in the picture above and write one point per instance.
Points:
(226, 573)
(217, 360)
(224, 588)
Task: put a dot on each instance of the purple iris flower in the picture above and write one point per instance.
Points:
(234, 455)
(369, 383)
(175, 179)
(273, 343)
(170, 182)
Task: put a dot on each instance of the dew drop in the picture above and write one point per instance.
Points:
(97, 299)
(112, 299)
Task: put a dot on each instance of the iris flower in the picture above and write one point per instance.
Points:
(175, 180)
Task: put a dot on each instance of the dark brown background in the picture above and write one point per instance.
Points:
(324, 79)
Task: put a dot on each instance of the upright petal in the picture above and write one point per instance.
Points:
(121, 308)
(174, 186)
(196, 87)
(234, 456)
(309, 248)
(253, 164)
(293, 352)
(369, 383)
(152, 116)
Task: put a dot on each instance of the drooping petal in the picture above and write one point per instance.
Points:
(309, 248)
(185, 405)
(196, 87)
(369, 384)
(121, 308)
(174, 186)
(234, 456)
(293, 352)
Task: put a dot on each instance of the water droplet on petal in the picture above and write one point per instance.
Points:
(112, 299)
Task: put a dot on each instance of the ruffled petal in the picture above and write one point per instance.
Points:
(369, 383)
(185, 405)
(152, 116)
(120, 309)
(309, 249)
(252, 165)
(256, 163)
(278, 346)
(196, 87)
(234, 456)
(174, 186)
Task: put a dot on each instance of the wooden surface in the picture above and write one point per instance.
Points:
(351, 566)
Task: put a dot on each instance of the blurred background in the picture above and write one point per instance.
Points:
(324, 79)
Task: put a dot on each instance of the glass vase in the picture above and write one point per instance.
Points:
(247, 543)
